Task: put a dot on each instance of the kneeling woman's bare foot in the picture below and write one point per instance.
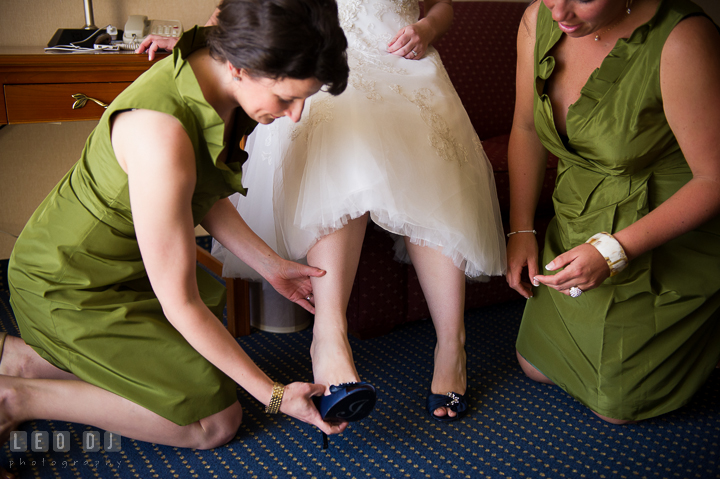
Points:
(7, 395)
(8, 418)
(17, 359)
(449, 375)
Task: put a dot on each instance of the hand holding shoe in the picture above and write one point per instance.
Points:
(298, 403)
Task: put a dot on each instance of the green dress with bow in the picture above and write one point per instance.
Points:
(643, 342)
(78, 285)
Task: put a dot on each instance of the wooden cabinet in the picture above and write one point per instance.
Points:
(40, 102)
(38, 87)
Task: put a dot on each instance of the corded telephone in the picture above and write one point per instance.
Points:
(138, 27)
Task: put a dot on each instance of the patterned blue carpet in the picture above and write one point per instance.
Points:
(515, 428)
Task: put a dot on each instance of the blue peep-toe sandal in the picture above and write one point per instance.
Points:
(453, 401)
(347, 402)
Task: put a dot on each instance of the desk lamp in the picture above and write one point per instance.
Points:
(66, 36)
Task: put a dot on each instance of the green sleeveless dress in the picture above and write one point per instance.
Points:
(78, 286)
(643, 342)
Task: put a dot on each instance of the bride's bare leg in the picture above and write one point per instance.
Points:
(339, 254)
(443, 285)
(77, 401)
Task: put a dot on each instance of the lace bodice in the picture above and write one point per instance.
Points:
(370, 24)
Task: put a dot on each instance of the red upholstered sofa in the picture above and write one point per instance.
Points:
(479, 55)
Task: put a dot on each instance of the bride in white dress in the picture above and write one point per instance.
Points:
(396, 146)
(399, 146)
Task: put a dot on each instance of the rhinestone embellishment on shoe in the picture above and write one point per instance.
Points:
(455, 398)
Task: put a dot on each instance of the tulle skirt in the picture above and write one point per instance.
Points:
(397, 143)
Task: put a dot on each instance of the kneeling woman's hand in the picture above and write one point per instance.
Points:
(584, 268)
(153, 43)
(292, 280)
(297, 402)
(522, 251)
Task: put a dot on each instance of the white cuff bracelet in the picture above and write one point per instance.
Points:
(611, 250)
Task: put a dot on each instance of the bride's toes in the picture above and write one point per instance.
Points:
(444, 411)
(441, 411)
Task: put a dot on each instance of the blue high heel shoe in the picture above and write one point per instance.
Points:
(453, 401)
(348, 402)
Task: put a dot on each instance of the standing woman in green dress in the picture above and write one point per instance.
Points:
(117, 326)
(626, 315)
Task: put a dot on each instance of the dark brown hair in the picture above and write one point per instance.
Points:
(279, 39)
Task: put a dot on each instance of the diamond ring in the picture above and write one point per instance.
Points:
(575, 292)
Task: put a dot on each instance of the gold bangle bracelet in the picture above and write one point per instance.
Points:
(273, 406)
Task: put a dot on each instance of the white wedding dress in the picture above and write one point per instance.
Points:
(397, 143)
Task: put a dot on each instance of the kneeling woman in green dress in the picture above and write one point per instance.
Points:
(627, 95)
(116, 323)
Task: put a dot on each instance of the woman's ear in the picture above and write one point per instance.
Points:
(236, 73)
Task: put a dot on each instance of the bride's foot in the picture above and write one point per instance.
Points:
(346, 399)
(332, 359)
(449, 375)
